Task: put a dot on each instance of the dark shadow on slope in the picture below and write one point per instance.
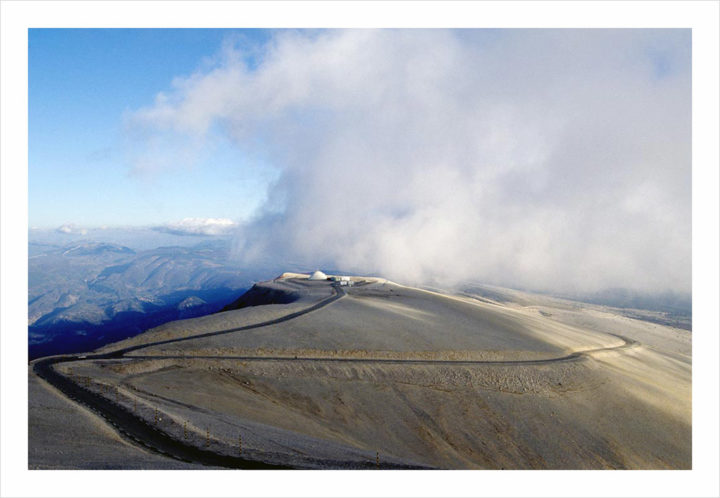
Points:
(259, 295)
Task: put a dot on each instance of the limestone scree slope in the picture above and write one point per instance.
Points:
(376, 374)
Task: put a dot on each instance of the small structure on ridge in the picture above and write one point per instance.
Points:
(318, 275)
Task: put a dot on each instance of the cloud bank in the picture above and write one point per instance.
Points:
(198, 226)
(545, 159)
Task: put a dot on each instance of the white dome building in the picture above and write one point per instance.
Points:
(318, 275)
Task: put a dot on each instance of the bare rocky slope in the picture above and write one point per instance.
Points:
(377, 374)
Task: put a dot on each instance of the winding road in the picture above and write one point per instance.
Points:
(136, 428)
(141, 432)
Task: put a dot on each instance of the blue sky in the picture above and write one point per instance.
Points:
(82, 82)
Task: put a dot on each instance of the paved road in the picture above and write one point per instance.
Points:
(141, 432)
(579, 355)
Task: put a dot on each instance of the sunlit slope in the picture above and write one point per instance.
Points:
(340, 377)
(384, 318)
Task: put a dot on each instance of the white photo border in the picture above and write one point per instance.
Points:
(16, 17)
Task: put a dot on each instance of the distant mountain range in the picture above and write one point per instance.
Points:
(84, 295)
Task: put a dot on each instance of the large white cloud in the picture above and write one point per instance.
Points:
(549, 159)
